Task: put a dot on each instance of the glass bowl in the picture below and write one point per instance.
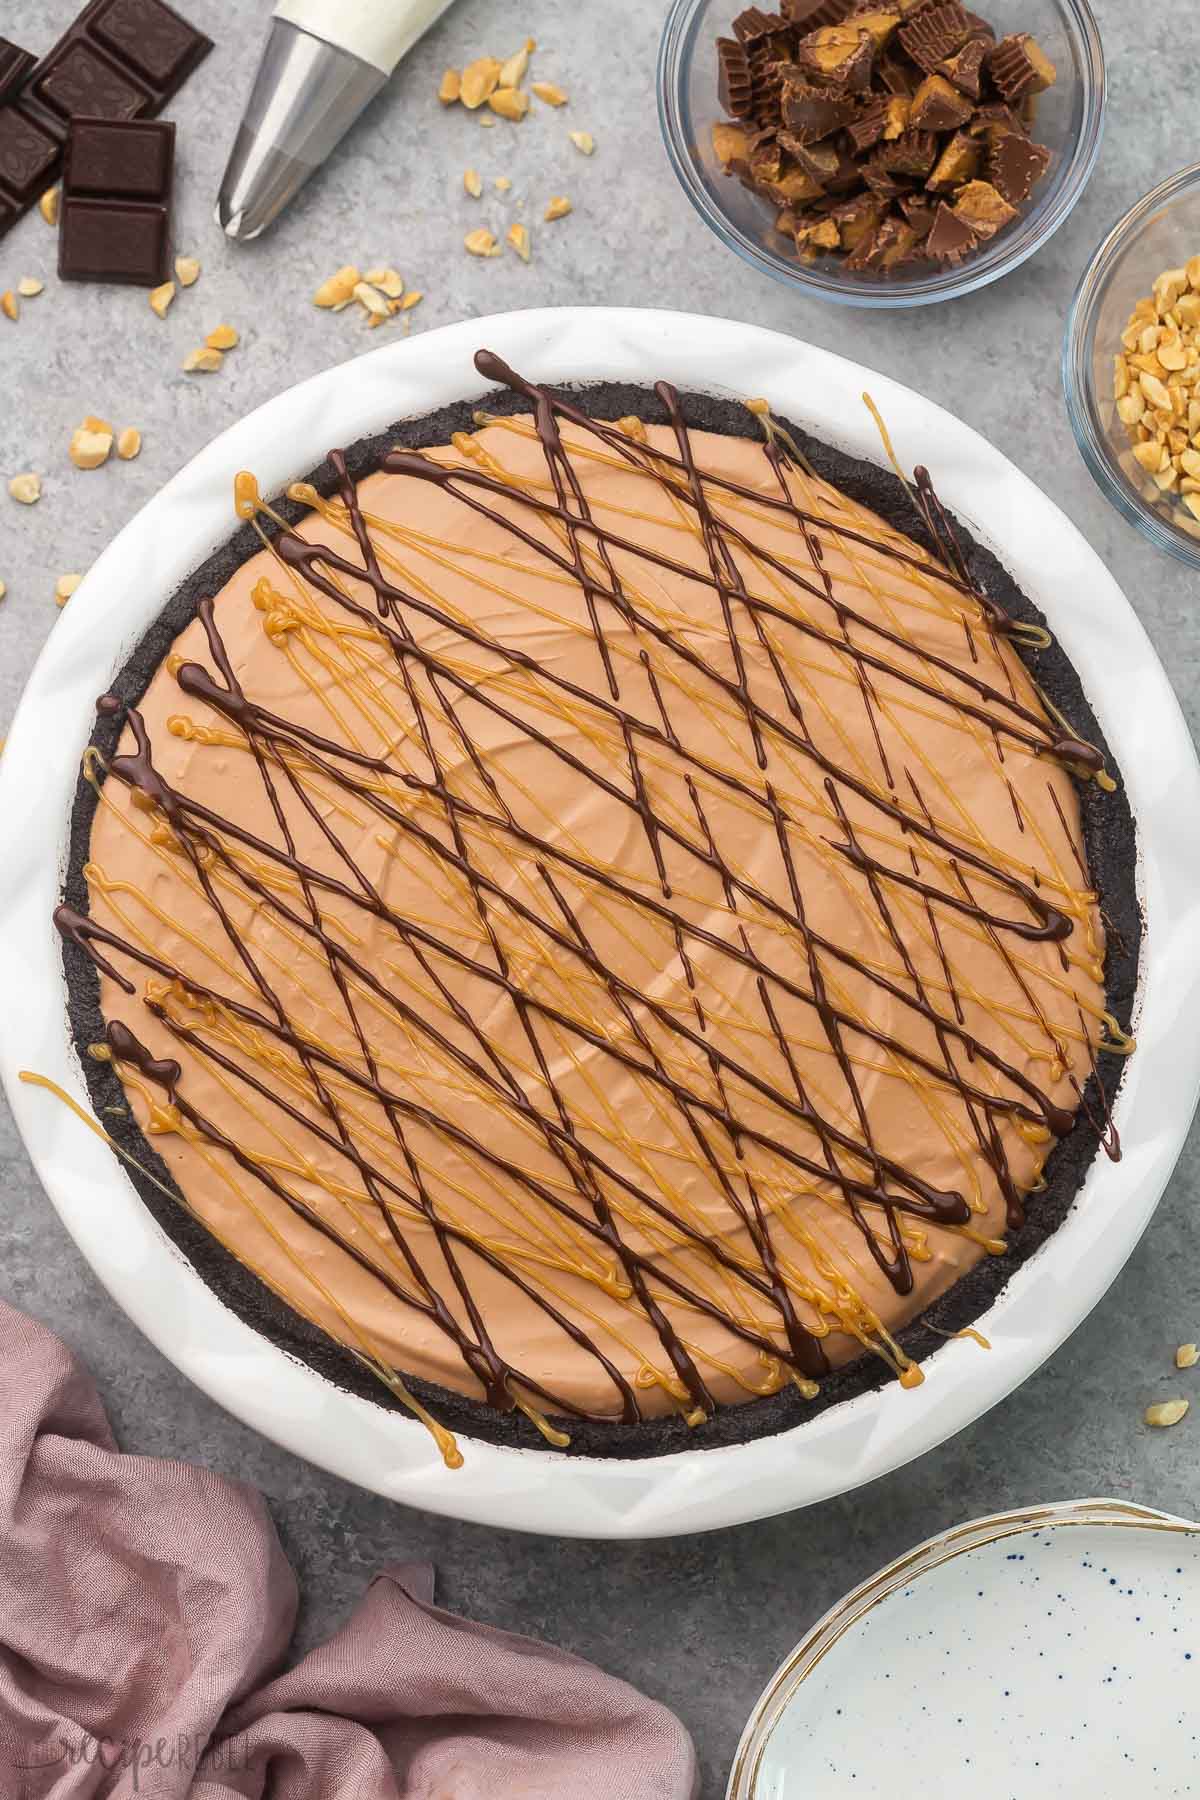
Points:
(1069, 122)
(1160, 232)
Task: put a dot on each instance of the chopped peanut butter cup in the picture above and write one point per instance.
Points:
(1018, 66)
(901, 103)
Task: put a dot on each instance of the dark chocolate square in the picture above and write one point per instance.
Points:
(151, 38)
(113, 240)
(15, 65)
(119, 59)
(27, 156)
(120, 158)
(78, 81)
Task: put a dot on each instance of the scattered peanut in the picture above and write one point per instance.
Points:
(502, 184)
(64, 587)
(411, 299)
(512, 73)
(1156, 387)
(1167, 1412)
(558, 207)
(129, 443)
(28, 286)
(8, 305)
(518, 237)
(481, 243)
(510, 102)
(1187, 1356)
(187, 270)
(450, 87)
(388, 281)
(339, 288)
(370, 298)
(222, 337)
(550, 93)
(3, 590)
(48, 205)
(161, 297)
(583, 141)
(26, 488)
(90, 443)
(479, 81)
(205, 361)
(473, 182)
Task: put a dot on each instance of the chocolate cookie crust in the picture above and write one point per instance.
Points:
(1110, 842)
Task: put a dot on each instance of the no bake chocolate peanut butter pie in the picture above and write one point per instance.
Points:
(602, 920)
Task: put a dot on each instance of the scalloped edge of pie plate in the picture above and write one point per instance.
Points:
(693, 1490)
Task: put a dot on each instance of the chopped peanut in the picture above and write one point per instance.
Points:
(1156, 389)
(481, 243)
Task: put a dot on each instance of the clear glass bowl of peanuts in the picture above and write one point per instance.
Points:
(1133, 343)
(1066, 123)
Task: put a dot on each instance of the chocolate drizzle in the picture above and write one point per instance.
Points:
(284, 752)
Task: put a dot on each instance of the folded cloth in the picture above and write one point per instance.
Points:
(146, 1607)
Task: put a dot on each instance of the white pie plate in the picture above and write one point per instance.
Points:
(1052, 1653)
(694, 1490)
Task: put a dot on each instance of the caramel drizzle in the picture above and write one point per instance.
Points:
(751, 1292)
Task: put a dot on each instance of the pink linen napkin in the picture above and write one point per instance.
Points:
(145, 1610)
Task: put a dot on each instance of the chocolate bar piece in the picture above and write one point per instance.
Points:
(15, 65)
(120, 60)
(133, 160)
(115, 220)
(113, 240)
(28, 158)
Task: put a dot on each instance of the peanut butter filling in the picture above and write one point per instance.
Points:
(598, 920)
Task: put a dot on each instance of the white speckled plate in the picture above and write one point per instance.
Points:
(532, 1490)
(1051, 1654)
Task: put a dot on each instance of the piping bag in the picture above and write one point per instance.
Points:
(322, 62)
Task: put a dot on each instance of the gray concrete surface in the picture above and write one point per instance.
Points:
(700, 1622)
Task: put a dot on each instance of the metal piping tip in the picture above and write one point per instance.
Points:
(258, 184)
(306, 94)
